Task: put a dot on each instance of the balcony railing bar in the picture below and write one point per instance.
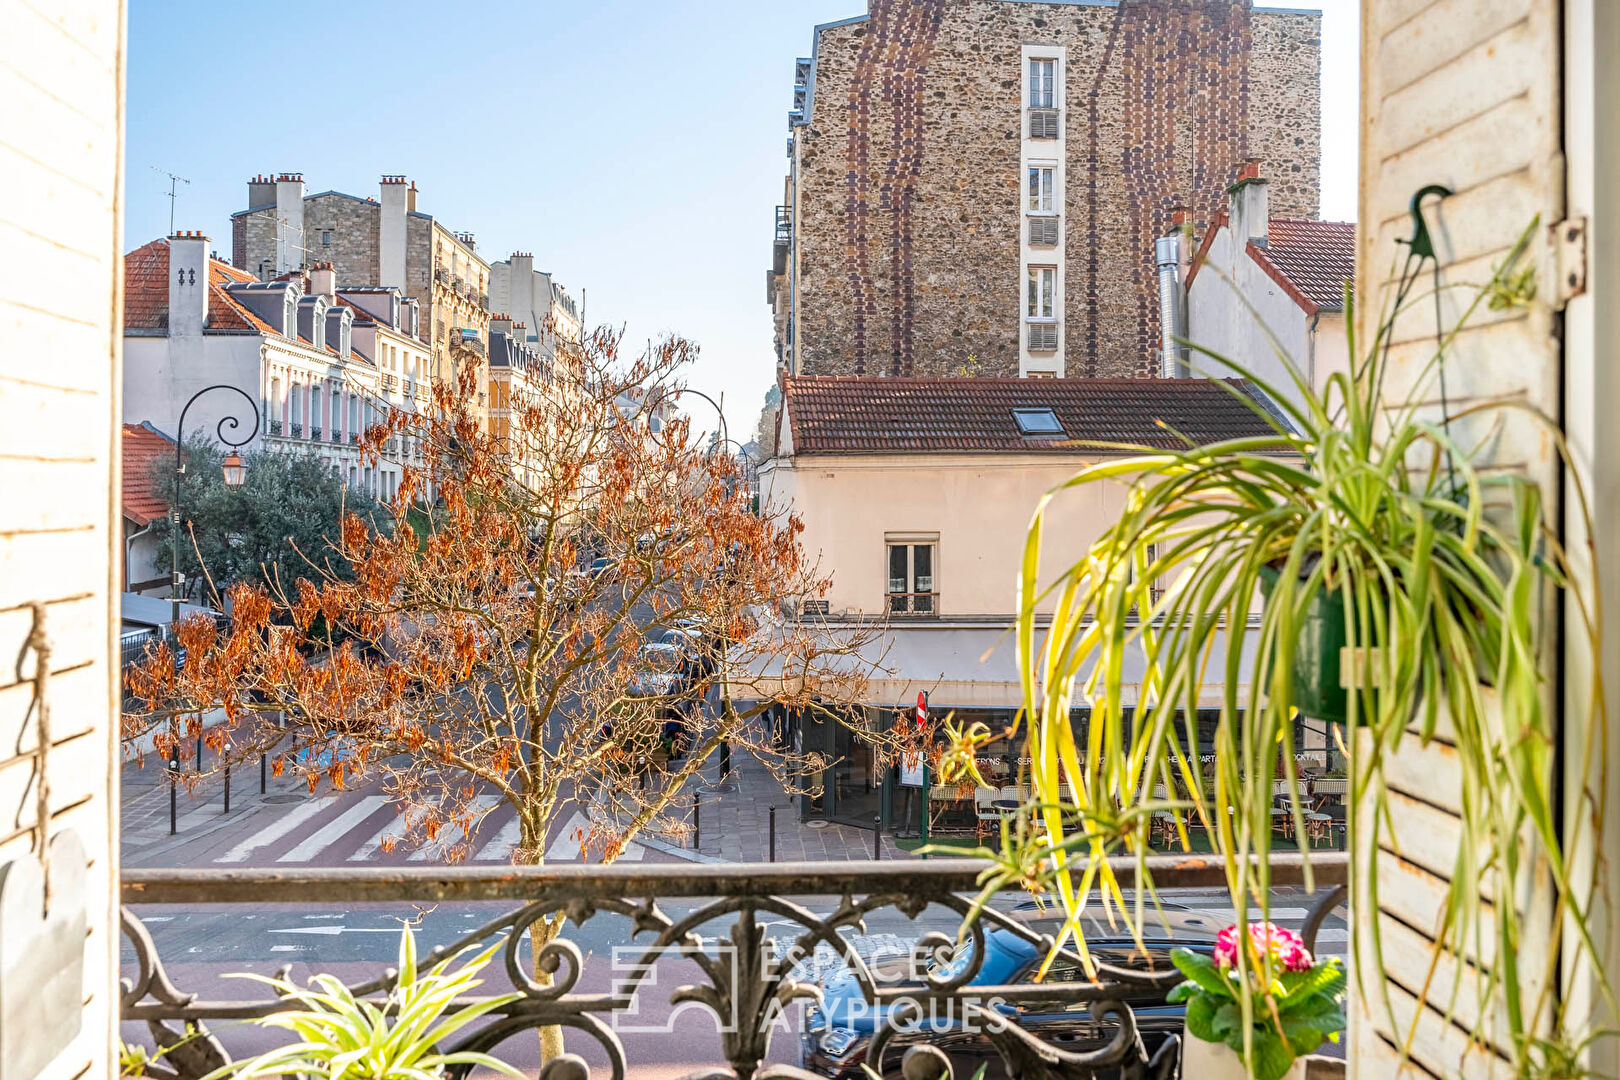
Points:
(448, 883)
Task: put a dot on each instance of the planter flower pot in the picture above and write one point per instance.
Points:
(1318, 691)
(1202, 1060)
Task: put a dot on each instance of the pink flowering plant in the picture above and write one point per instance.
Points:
(1296, 1002)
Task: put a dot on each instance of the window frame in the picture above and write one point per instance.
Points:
(913, 600)
(1041, 80)
(1040, 292)
(1041, 187)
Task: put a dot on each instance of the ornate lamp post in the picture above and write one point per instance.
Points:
(234, 472)
(233, 468)
(725, 677)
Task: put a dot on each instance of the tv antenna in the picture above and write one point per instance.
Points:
(173, 193)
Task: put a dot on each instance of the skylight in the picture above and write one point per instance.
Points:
(1037, 422)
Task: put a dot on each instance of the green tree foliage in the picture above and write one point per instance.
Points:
(263, 531)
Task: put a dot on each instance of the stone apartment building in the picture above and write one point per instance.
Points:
(975, 186)
(318, 359)
(386, 241)
(534, 299)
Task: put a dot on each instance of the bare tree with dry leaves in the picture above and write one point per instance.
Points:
(576, 606)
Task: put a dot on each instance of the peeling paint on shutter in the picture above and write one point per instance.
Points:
(1463, 93)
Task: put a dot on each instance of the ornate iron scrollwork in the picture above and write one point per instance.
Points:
(753, 976)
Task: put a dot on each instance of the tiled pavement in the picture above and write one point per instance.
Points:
(734, 823)
(287, 824)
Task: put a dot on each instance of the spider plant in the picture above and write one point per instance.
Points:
(344, 1036)
(1445, 574)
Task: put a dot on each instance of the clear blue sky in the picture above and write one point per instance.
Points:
(637, 148)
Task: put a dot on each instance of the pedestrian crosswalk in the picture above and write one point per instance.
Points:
(281, 826)
(358, 828)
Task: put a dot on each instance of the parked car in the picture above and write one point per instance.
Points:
(662, 671)
(324, 755)
(837, 1034)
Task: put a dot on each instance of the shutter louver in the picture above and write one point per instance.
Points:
(1043, 123)
(1044, 231)
(1043, 337)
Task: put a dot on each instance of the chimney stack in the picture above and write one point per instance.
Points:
(502, 323)
(1250, 214)
(261, 191)
(290, 243)
(323, 280)
(188, 284)
(396, 201)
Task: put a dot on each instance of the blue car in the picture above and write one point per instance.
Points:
(324, 755)
(837, 1034)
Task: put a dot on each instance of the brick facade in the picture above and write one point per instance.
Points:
(909, 219)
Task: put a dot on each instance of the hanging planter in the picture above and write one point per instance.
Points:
(1319, 652)
(1448, 562)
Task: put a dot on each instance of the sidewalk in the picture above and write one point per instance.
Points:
(734, 823)
(144, 807)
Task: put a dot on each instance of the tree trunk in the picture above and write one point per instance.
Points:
(543, 931)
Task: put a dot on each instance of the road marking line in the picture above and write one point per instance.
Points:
(334, 931)
(503, 844)
(395, 829)
(335, 829)
(277, 829)
(453, 833)
(565, 846)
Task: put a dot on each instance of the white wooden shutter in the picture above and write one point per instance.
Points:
(61, 79)
(1464, 93)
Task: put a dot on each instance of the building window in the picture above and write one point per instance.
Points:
(326, 237)
(1042, 198)
(1042, 83)
(911, 578)
(1042, 299)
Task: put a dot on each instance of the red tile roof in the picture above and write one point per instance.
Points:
(1311, 260)
(1316, 258)
(142, 444)
(146, 293)
(866, 414)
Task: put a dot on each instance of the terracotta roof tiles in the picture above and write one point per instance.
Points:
(142, 444)
(146, 293)
(867, 415)
(1312, 259)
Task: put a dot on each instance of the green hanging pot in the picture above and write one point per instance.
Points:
(1318, 690)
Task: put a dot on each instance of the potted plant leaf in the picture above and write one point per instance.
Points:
(1361, 521)
(341, 1036)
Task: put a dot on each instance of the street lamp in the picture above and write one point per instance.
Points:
(725, 630)
(235, 472)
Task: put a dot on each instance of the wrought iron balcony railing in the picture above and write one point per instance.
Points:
(754, 932)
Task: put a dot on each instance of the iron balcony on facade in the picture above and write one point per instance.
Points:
(315, 433)
(749, 941)
(275, 427)
(914, 603)
(297, 429)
